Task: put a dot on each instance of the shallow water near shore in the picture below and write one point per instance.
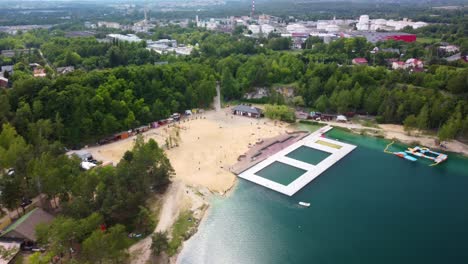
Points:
(370, 207)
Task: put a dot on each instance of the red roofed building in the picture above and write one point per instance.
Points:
(413, 64)
(405, 38)
(3, 82)
(360, 61)
(39, 72)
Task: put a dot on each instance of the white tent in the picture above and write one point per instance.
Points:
(341, 118)
(87, 165)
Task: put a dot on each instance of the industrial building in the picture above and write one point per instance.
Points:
(126, 38)
(375, 37)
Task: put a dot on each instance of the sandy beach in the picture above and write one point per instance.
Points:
(208, 146)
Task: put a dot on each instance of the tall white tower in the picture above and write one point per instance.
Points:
(252, 12)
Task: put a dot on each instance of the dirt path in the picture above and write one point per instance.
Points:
(217, 98)
(141, 252)
(178, 197)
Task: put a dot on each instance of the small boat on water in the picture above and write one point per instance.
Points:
(304, 204)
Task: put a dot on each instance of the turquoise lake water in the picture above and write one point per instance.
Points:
(370, 207)
(281, 173)
(308, 155)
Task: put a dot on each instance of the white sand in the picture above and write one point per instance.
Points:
(208, 147)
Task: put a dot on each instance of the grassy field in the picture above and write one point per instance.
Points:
(427, 40)
(309, 126)
(180, 230)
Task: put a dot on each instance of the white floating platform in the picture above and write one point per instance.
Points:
(312, 171)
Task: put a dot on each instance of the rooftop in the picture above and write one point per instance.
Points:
(26, 225)
(8, 251)
(248, 109)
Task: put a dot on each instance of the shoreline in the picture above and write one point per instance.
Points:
(356, 129)
(397, 133)
(212, 143)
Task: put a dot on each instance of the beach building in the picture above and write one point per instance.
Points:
(24, 229)
(341, 118)
(245, 110)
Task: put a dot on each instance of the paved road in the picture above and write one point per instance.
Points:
(44, 58)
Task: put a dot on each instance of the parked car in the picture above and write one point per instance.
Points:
(25, 202)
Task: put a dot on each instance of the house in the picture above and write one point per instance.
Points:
(246, 110)
(3, 82)
(398, 65)
(65, 70)
(6, 69)
(39, 72)
(359, 61)
(454, 57)
(390, 50)
(24, 229)
(13, 53)
(414, 64)
(8, 251)
(449, 49)
(34, 65)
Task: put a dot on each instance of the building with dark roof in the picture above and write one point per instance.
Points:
(246, 110)
(24, 229)
(65, 70)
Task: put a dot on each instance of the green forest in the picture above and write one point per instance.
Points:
(118, 86)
